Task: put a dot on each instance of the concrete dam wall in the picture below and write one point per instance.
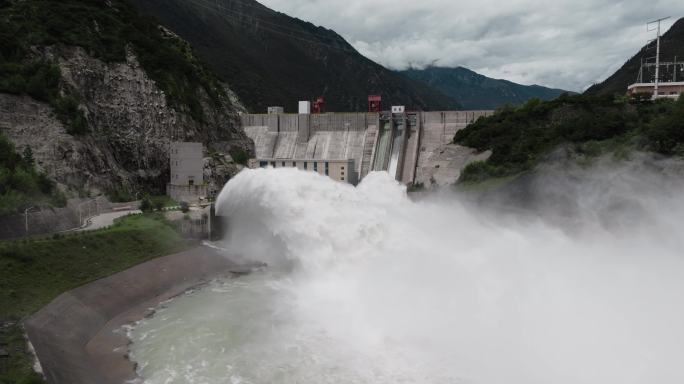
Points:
(401, 144)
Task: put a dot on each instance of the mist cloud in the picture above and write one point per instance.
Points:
(581, 286)
(566, 44)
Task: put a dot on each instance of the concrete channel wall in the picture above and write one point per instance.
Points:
(78, 337)
(368, 138)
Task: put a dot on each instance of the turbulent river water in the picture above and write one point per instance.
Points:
(364, 285)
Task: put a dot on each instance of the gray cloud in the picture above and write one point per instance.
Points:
(562, 43)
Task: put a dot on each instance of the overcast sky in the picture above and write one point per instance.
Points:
(566, 44)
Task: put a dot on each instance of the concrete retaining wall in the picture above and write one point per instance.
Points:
(74, 336)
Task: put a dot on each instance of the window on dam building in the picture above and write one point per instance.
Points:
(336, 169)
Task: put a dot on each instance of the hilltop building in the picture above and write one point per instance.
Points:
(668, 90)
(664, 74)
(187, 172)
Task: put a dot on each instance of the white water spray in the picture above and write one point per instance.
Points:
(367, 286)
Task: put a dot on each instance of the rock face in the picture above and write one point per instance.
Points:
(130, 124)
(443, 166)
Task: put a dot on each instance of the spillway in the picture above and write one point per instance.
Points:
(384, 147)
(397, 147)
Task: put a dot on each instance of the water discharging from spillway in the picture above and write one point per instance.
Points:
(367, 286)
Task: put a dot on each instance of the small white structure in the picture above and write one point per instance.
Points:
(276, 110)
(398, 109)
(187, 172)
(304, 107)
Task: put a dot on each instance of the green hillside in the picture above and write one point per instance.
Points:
(520, 138)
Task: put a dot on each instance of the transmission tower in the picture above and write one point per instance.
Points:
(655, 26)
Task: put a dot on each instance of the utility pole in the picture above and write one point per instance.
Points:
(26, 211)
(674, 75)
(657, 71)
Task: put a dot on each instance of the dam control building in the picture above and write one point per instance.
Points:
(187, 172)
(406, 144)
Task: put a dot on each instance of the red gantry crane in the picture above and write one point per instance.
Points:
(374, 103)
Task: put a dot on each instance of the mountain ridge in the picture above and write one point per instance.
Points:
(270, 58)
(475, 91)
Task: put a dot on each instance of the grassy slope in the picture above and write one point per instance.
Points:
(521, 137)
(36, 271)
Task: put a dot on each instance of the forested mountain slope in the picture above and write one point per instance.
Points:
(270, 58)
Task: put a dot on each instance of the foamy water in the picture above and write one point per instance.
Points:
(367, 286)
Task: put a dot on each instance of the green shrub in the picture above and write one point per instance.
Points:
(146, 204)
(21, 185)
(120, 195)
(666, 132)
(158, 205)
(239, 156)
(479, 171)
(185, 207)
(67, 110)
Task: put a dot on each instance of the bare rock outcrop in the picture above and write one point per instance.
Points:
(130, 125)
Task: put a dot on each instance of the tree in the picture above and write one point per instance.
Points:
(146, 204)
(185, 207)
(28, 157)
(158, 204)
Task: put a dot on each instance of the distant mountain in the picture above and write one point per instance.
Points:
(475, 91)
(270, 58)
(672, 44)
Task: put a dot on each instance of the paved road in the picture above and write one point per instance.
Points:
(105, 220)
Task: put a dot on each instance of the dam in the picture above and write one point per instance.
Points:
(399, 142)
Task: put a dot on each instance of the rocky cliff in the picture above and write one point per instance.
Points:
(132, 108)
(130, 126)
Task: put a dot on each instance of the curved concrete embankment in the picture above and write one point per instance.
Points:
(78, 337)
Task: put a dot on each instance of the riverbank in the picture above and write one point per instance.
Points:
(79, 337)
(36, 270)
